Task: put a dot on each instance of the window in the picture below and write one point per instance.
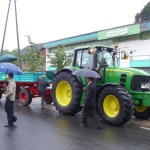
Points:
(144, 25)
(145, 35)
(52, 50)
(103, 42)
(116, 40)
(104, 58)
(123, 39)
(109, 42)
(133, 37)
(78, 58)
(87, 60)
(84, 59)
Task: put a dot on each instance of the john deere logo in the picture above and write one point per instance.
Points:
(110, 73)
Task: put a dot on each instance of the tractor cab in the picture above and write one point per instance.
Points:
(95, 57)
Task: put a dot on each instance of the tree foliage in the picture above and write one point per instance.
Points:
(137, 18)
(144, 15)
(32, 57)
(60, 58)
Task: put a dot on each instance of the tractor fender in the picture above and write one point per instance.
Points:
(69, 70)
(105, 85)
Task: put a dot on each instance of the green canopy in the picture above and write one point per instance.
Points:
(8, 58)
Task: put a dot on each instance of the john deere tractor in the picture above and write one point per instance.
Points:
(120, 91)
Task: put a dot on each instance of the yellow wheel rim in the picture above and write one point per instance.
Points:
(111, 106)
(140, 108)
(63, 93)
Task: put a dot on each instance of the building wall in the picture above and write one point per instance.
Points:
(136, 41)
(139, 53)
(43, 54)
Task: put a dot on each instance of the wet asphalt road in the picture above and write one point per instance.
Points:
(38, 129)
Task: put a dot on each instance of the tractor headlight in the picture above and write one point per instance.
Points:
(145, 86)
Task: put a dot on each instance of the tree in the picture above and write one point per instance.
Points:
(33, 58)
(144, 14)
(137, 18)
(60, 58)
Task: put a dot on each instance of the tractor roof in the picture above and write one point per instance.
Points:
(96, 46)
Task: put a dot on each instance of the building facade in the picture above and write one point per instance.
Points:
(133, 38)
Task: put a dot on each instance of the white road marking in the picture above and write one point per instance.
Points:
(145, 128)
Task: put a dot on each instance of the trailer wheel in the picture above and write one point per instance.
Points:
(25, 97)
(115, 105)
(142, 112)
(66, 93)
(49, 100)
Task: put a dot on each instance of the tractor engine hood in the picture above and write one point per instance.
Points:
(122, 70)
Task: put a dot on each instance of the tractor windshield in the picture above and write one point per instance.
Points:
(104, 59)
(84, 59)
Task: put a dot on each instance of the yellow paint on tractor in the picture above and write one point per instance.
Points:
(140, 108)
(111, 106)
(63, 93)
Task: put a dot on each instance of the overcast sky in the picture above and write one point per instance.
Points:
(48, 20)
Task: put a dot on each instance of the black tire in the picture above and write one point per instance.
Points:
(73, 106)
(121, 98)
(49, 101)
(142, 112)
(25, 97)
(17, 93)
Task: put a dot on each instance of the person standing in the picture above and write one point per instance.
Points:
(90, 104)
(43, 84)
(10, 98)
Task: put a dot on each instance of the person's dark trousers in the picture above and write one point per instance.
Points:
(9, 108)
(85, 114)
(42, 99)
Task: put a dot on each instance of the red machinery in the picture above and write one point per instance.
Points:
(25, 91)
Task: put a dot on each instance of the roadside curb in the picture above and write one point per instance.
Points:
(141, 123)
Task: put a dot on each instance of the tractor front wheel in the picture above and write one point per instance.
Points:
(115, 105)
(25, 97)
(142, 112)
(66, 93)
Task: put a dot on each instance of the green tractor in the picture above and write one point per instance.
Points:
(120, 91)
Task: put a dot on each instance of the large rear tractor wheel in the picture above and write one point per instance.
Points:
(66, 93)
(142, 112)
(25, 97)
(115, 105)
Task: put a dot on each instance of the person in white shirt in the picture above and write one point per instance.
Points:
(10, 98)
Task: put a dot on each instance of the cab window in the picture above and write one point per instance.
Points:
(84, 59)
